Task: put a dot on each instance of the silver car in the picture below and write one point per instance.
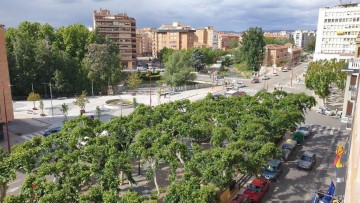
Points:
(307, 161)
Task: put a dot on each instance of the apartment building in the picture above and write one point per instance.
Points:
(176, 36)
(276, 55)
(351, 111)
(301, 37)
(6, 108)
(144, 41)
(121, 30)
(282, 34)
(337, 30)
(226, 39)
(206, 37)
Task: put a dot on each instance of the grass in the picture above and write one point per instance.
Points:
(243, 70)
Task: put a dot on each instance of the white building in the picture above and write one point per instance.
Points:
(337, 30)
(301, 37)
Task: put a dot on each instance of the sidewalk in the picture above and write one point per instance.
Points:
(28, 124)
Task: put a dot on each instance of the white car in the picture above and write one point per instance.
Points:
(275, 74)
(265, 77)
(284, 70)
(325, 111)
(240, 84)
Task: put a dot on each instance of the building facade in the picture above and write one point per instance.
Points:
(337, 30)
(301, 37)
(226, 39)
(275, 55)
(206, 37)
(351, 111)
(177, 36)
(144, 41)
(6, 109)
(121, 30)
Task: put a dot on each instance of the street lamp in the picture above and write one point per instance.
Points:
(52, 107)
(6, 121)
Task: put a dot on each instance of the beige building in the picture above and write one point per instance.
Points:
(276, 55)
(295, 54)
(144, 41)
(121, 30)
(351, 114)
(206, 37)
(226, 39)
(175, 36)
(4, 86)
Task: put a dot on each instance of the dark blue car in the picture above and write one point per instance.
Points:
(51, 131)
(272, 170)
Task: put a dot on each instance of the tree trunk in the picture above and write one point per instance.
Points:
(121, 177)
(178, 155)
(3, 188)
(155, 178)
(92, 87)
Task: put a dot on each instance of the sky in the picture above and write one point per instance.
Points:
(224, 15)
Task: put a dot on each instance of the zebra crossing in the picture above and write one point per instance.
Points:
(30, 136)
(321, 129)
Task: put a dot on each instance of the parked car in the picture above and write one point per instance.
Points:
(287, 148)
(265, 77)
(257, 189)
(51, 131)
(307, 161)
(325, 111)
(285, 69)
(275, 74)
(240, 84)
(255, 80)
(272, 170)
(305, 130)
(241, 199)
(231, 93)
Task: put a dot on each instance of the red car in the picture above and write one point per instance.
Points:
(241, 199)
(255, 80)
(257, 189)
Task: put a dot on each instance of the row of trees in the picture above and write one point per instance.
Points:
(71, 58)
(321, 74)
(88, 159)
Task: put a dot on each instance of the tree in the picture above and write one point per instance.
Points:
(134, 80)
(226, 62)
(101, 64)
(321, 74)
(310, 44)
(178, 71)
(164, 54)
(34, 97)
(7, 173)
(81, 101)
(197, 59)
(64, 110)
(234, 43)
(252, 47)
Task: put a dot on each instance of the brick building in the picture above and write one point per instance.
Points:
(225, 40)
(4, 85)
(276, 55)
(177, 36)
(144, 41)
(121, 30)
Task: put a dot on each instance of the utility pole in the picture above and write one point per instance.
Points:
(52, 108)
(6, 121)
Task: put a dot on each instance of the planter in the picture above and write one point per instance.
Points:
(82, 111)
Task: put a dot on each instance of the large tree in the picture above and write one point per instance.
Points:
(197, 60)
(321, 74)
(178, 70)
(252, 48)
(310, 44)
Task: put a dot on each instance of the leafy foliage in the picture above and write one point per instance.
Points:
(80, 101)
(134, 80)
(178, 70)
(310, 44)
(197, 60)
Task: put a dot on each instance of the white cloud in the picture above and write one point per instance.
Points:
(236, 15)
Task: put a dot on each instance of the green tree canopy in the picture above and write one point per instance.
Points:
(178, 70)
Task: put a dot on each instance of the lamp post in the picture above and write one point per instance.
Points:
(6, 121)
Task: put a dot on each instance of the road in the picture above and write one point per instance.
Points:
(295, 185)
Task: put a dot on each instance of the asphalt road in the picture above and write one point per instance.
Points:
(296, 185)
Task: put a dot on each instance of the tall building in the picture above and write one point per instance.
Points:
(176, 36)
(206, 37)
(337, 30)
(225, 40)
(351, 113)
(144, 41)
(5, 91)
(121, 30)
(301, 37)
